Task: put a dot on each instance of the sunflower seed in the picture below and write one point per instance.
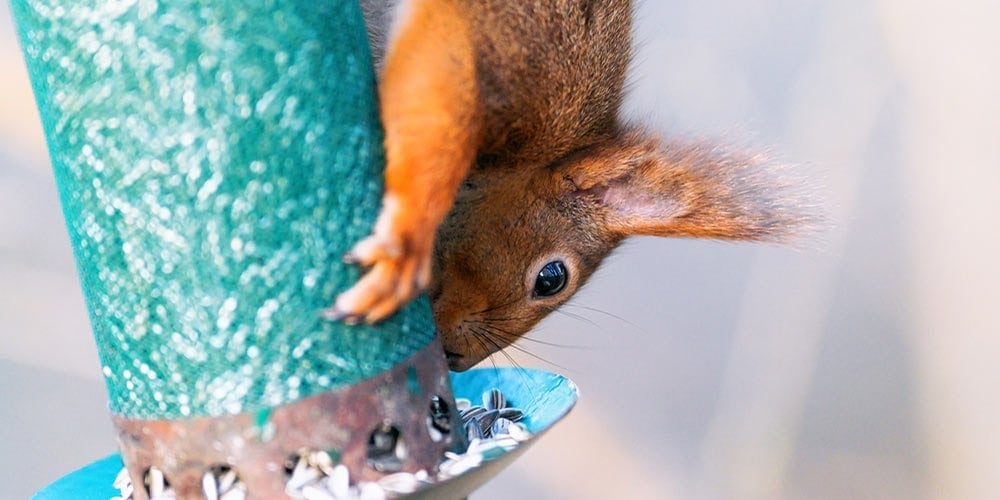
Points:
(493, 448)
(209, 487)
(234, 494)
(493, 399)
(500, 426)
(473, 431)
(340, 481)
(370, 491)
(123, 482)
(486, 422)
(315, 492)
(301, 475)
(400, 482)
(322, 461)
(459, 465)
(157, 484)
(472, 412)
(519, 431)
(512, 414)
(227, 481)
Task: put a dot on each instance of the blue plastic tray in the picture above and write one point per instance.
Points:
(545, 398)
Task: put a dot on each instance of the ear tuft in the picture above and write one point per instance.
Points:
(644, 187)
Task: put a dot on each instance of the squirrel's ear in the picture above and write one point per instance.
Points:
(639, 186)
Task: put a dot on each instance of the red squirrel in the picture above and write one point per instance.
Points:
(504, 140)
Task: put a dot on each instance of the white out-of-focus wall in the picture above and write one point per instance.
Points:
(861, 364)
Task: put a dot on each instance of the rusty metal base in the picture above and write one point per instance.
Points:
(356, 425)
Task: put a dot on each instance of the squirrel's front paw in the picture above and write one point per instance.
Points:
(399, 268)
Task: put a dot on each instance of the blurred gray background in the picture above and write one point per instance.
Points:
(863, 365)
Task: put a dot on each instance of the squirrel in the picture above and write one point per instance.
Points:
(510, 174)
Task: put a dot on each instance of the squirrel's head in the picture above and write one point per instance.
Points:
(521, 240)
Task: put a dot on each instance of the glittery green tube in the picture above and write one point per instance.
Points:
(214, 160)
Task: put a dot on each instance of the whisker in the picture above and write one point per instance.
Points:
(556, 344)
(577, 317)
(615, 316)
(509, 337)
(468, 347)
(479, 338)
(489, 337)
(498, 332)
(483, 338)
(521, 371)
(536, 356)
(493, 362)
(512, 337)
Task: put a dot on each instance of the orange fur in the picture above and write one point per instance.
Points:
(429, 111)
(506, 114)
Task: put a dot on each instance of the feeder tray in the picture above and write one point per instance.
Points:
(544, 397)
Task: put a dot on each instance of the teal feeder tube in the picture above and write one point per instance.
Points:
(214, 160)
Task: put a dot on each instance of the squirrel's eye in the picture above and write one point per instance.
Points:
(551, 279)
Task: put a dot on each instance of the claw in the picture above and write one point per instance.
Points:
(397, 258)
(332, 314)
(384, 288)
(350, 258)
